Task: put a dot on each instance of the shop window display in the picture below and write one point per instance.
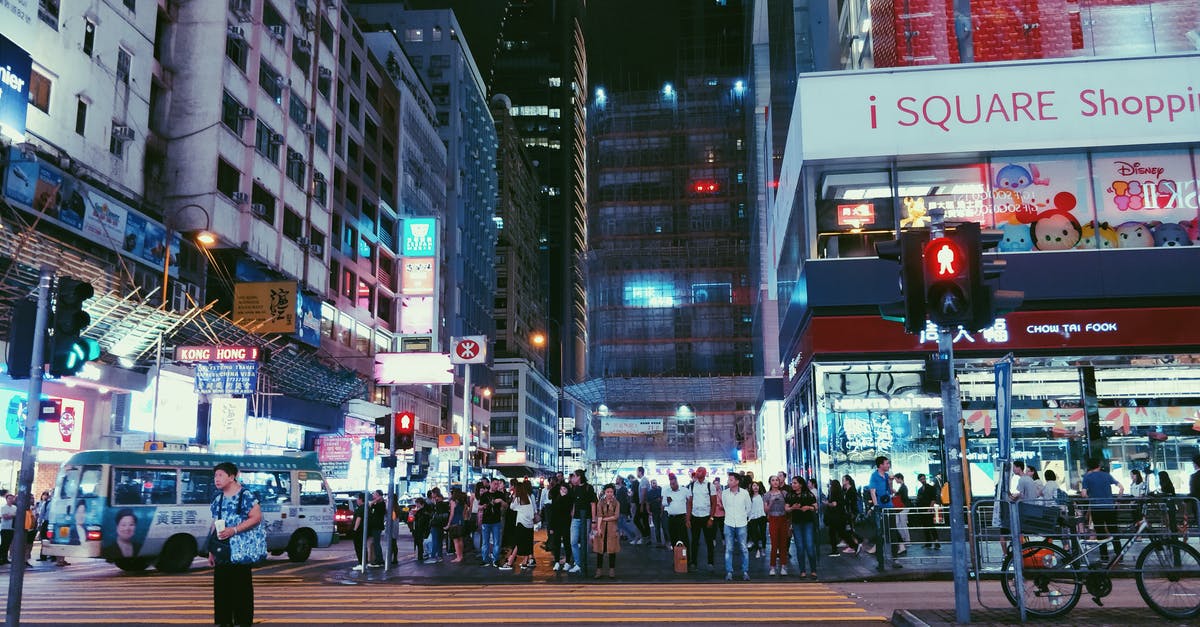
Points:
(1148, 198)
(959, 191)
(854, 210)
(1044, 203)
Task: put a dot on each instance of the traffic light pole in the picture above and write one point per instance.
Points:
(33, 410)
(951, 432)
(391, 525)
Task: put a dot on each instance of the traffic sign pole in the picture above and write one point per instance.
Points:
(466, 425)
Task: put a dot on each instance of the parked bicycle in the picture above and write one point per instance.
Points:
(1167, 571)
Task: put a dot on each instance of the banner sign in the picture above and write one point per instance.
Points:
(15, 68)
(625, 427)
(1019, 330)
(985, 107)
(66, 433)
(227, 425)
(61, 199)
(216, 353)
(416, 275)
(268, 307)
(332, 448)
(354, 426)
(226, 377)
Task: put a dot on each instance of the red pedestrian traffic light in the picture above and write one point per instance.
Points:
(406, 424)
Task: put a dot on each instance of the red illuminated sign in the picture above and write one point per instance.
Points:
(706, 187)
(404, 422)
(944, 259)
(856, 216)
(216, 353)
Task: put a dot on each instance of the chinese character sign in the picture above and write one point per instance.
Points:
(268, 307)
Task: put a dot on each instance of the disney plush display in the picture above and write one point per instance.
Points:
(1016, 238)
(1056, 229)
(1193, 229)
(1134, 235)
(1106, 235)
(915, 213)
(1171, 234)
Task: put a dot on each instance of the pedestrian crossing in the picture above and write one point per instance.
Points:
(290, 599)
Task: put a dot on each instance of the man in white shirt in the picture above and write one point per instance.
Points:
(8, 514)
(701, 499)
(675, 502)
(736, 502)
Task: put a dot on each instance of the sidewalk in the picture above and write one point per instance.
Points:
(646, 563)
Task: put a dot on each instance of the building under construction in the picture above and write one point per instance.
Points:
(669, 289)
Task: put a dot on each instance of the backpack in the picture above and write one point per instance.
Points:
(946, 493)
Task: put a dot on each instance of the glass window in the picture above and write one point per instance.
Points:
(39, 91)
(313, 490)
(196, 487)
(959, 191)
(124, 60)
(268, 486)
(854, 210)
(1043, 203)
(143, 486)
(1145, 198)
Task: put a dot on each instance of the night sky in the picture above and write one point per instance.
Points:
(631, 43)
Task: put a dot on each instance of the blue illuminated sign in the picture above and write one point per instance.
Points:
(15, 68)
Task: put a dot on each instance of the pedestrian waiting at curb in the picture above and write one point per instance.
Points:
(605, 540)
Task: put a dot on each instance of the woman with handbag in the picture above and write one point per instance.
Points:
(605, 539)
(236, 543)
(458, 507)
(778, 526)
(802, 505)
(522, 504)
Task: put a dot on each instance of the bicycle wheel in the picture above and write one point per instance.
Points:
(1051, 582)
(1168, 578)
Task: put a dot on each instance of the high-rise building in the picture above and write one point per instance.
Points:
(439, 53)
(1094, 194)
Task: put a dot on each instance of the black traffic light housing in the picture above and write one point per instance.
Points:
(20, 339)
(70, 350)
(990, 301)
(907, 252)
(406, 424)
(383, 430)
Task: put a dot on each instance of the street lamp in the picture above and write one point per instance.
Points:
(176, 224)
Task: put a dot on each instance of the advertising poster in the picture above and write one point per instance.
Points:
(123, 532)
(630, 427)
(177, 403)
(1147, 198)
(15, 68)
(227, 425)
(416, 315)
(65, 434)
(82, 516)
(40, 188)
(1042, 204)
(308, 309)
(266, 307)
(417, 275)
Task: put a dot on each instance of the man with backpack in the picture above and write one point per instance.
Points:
(701, 499)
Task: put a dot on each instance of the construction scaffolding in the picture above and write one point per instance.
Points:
(669, 285)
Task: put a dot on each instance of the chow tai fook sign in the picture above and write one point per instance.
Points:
(985, 107)
(1096, 329)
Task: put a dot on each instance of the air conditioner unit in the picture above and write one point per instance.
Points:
(241, 9)
(302, 241)
(258, 209)
(122, 133)
(236, 32)
(278, 31)
(295, 157)
(325, 72)
(308, 129)
(302, 45)
(318, 177)
(240, 198)
(281, 81)
(246, 113)
(276, 139)
(316, 249)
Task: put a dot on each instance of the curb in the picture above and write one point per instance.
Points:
(905, 618)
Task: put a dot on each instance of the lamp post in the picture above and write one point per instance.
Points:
(540, 340)
(203, 236)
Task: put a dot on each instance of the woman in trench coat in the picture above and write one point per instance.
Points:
(605, 540)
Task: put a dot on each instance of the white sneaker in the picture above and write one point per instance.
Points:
(557, 566)
(772, 571)
(357, 568)
(783, 570)
(574, 568)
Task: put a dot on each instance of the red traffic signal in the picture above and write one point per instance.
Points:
(944, 260)
(406, 425)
